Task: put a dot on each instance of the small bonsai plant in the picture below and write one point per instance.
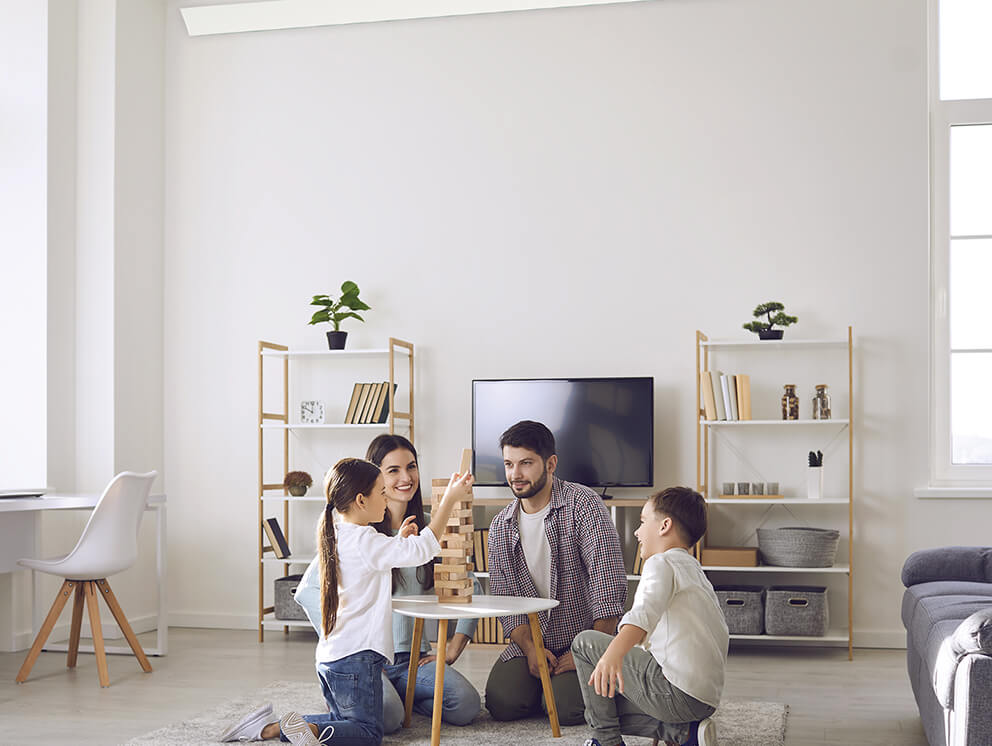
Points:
(333, 312)
(297, 482)
(764, 329)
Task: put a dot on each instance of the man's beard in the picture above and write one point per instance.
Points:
(534, 488)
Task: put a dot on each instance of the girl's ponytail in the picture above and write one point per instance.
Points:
(328, 549)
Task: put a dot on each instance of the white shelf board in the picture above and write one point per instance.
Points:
(327, 426)
(486, 575)
(301, 560)
(290, 499)
(370, 352)
(836, 569)
(776, 501)
(786, 423)
(833, 635)
(779, 343)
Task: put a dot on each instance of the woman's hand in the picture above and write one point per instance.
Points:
(408, 527)
(452, 650)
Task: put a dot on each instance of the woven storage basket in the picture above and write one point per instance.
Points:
(798, 547)
(796, 610)
(744, 608)
(286, 606)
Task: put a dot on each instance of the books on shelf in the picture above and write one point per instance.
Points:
(369, 404)
(277, 541)
(726, 396)
(638, 564)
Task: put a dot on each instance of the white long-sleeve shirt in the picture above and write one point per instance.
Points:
(366, 559)
(686, 629)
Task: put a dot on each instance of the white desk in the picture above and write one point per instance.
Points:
(427, 607)
(20, 536)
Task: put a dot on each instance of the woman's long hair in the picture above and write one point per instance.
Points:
(349, 478)
(380, 447)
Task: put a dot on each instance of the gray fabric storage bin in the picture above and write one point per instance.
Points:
(286, 606)
(743, 607)
(798, 546)
(796, 610)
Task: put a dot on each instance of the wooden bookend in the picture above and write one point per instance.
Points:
(452, 585)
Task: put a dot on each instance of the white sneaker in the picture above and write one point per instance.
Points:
(249, 728)
(297, 730)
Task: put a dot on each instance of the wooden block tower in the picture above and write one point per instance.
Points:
(451, 581)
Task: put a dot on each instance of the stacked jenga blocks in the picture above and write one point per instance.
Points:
(451, 581)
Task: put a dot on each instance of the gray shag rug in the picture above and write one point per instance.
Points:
(739, 723)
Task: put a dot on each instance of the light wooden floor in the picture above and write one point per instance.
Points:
(866, 702)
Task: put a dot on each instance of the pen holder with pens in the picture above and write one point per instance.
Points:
(814, 476)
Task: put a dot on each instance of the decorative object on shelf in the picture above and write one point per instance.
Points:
(278, 543)
(821, 403)
(451, 581)
(790, 403)
(312, 412)
(796, 546)
(728, 488)
(764, 329)
(814, 476)
(757, 488)
(772, 488)
(743, 488)
(730, 556)
(332, 312)
(297, 482)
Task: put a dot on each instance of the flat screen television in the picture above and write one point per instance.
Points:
(603, 427)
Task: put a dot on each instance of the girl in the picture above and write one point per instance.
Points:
(397, 458)
(346, 593)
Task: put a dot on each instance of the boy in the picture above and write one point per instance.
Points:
(675, 673)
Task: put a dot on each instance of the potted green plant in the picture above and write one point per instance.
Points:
(297, 482)
(764, 329)
(333, 312)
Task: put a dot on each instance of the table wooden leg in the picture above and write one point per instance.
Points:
(411, 676)
(542, 664)
(442, 644)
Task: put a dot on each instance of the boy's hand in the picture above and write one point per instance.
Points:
(607, 676)
(408, 527)
(533, 662)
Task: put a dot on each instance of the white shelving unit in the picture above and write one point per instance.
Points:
(784, 352)
(279, 421)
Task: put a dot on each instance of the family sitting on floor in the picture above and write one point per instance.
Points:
(656, 671)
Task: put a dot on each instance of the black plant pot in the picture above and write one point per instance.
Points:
(771, 334)
(336, 340)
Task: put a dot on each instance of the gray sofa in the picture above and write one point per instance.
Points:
(947, 612)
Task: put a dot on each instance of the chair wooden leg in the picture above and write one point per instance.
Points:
(97, 631)
(115, 608)
(77, 624)
(46, 629)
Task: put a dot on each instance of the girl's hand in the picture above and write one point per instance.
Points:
(408, 527)
(459, 487)
(607, 676)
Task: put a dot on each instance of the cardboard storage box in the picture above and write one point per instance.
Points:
(731, 556)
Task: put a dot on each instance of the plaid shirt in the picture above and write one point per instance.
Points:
(582, 538)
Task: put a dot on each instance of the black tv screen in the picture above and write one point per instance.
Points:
(603, 427)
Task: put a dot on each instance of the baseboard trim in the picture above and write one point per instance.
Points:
(212, 621)
(60, 633)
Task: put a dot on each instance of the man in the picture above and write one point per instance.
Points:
(555, 541)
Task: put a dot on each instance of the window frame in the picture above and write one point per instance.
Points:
(943, 116)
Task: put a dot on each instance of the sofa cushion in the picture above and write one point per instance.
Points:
(939, 589)
(948, 563)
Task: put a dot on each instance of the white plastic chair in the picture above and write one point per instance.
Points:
(108, 545)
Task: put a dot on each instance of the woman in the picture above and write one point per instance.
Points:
(397, 458)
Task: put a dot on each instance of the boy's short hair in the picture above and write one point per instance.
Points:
(531, 435)
(686, 508)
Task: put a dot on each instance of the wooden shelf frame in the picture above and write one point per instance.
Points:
(280, 421)
(703, 428)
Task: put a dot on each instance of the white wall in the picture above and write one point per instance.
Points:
(569, 192)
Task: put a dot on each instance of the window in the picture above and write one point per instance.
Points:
(961, 241)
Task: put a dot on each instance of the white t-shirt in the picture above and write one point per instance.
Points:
(365, 591)
(537, 548)
(686, 630)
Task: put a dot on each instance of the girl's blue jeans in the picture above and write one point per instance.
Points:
(352, 689)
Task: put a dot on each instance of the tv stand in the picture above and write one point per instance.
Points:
(605, 496)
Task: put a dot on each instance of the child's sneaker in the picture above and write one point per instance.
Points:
(249, 728)
(702, 733)
(297, 730)
(594, 742)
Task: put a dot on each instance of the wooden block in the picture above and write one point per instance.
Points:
(456, 600)
(454, 552)
(466, 464)
(460, 584)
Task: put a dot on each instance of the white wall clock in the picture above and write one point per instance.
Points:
(311, 412)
